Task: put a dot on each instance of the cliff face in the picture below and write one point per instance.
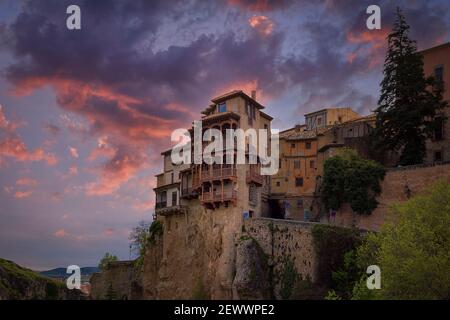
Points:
(203, 256)
(120, 281)
(18, 283)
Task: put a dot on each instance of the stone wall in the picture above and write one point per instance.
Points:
(397, 186)
(285, 239)
(122, 277)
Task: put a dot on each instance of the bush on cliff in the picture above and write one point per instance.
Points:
(106, 261)
(412, 249)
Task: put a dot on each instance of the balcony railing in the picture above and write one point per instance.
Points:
(228, 195)
(254, 175)
(218, 173)
(188, 192)
(160, 205)
(172, 210)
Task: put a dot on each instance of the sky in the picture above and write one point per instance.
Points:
(86, 113)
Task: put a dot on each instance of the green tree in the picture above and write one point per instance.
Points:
(351, 179)
(412, 249)
(138, 237)
(409, 101)
(106, 260)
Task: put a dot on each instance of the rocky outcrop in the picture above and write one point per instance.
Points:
(18, 283)
(121, 280)
(252, 280)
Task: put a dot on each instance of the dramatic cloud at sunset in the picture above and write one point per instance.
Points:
(85, 114)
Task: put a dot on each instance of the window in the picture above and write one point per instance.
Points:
(222, 107)
(439, 74)
(292, 145)
(298, 182)
(278, 183)
(438, 156)
(308, 145)
(297, 164)
(319, 121)
(279, 163)
(171, 177)
(252, 195)
(439, 129)
(174, 198)
(265, 126)
(311, 164)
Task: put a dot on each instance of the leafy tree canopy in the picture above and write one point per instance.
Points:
(351, 179)
(412, 250)
(106, 260)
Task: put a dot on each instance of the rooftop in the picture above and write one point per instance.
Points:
(230, 95)
(441, 46)
(325, 109)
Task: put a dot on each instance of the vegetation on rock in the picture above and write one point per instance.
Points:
(106, 261)
(18, 283)
(412, 249)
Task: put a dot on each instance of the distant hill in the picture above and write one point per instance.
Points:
(60, 273)
(19, 283)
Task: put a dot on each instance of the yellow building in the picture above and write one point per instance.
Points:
(218, 186)
(293, 191)
(437, 63)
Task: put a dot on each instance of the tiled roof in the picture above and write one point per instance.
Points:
(293, 134)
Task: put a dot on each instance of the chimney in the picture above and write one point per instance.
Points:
(298, 127)
(254, 94)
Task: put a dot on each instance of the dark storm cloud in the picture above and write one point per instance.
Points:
(115, 73)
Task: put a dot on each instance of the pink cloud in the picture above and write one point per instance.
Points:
(109, 232)
(73, 152)
(26, 182)
(23, 194)
(144, 206)
(12, 145)
(61, 233)
(118, 170)
(262, 24)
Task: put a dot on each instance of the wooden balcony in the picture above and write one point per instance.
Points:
(253, 175)
(160, 205)
(189, 193)
(228, 195)
(172, 210)
(225, 172)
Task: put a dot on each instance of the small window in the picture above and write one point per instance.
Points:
(319, 121)
(292, 145)
(222, 107)
(438, 156)
(439, 74)
(311, 164)
(265, 126)
(278, 183)
(298, 182)
(439, 129)
(308, 145)
(279, 163)
(297, 164)
(174, 198)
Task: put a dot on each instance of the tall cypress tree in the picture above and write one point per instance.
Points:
(409, 101)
